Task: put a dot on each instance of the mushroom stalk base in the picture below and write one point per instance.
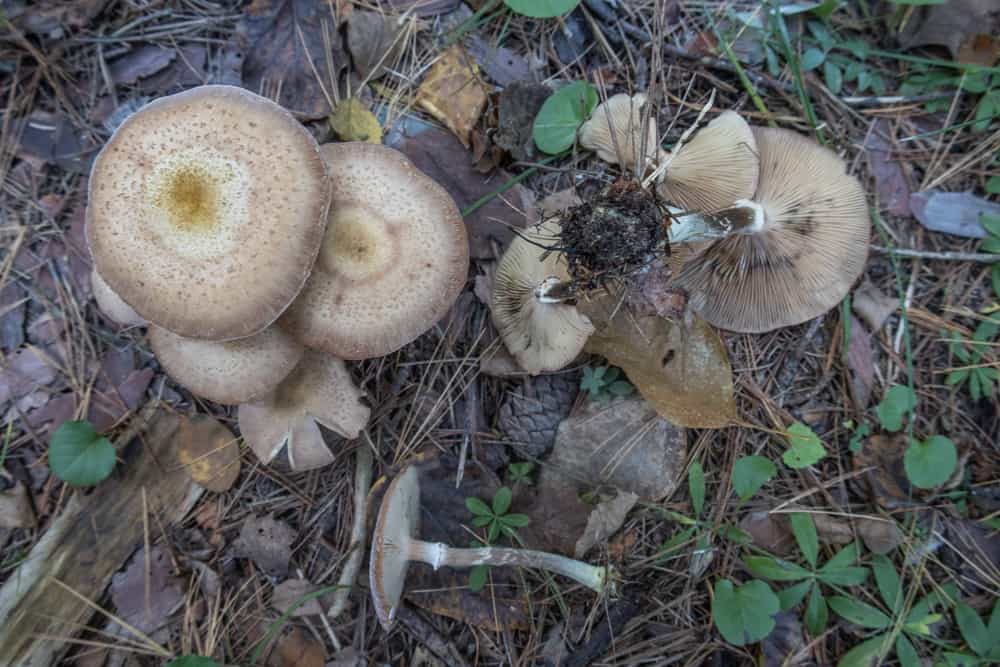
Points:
(439, 555)
(745, 217)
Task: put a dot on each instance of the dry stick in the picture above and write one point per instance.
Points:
(362, 482)
(983, 257)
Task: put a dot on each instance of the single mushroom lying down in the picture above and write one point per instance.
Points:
(395, 543)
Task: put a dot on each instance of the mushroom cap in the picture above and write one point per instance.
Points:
(812, 247)
(614, 131)
(227, 372)
(717, 167)
(398, 521)
(319, 390)
(111, 304)
(541, 336)
(394, 258)
(206, 211)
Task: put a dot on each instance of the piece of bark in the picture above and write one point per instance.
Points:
(87, 544)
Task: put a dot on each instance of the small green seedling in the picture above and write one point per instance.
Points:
(991, 223)
(561, 116)
(79, 456)
(744, 614)
(495, 518)
(928, 463)
(192, 661)
(542, 9)
(603, 383)
(899, 628)
(750, 473)
(520, 473)
(981, 377)
(982, 638)
(840, 570)
(898, 402)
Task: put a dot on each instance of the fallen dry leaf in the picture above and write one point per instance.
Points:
(956, 213)
(519, 104)
(504, 66)
(290, 591)
(530, 414)
(783, 646)
(27, 370)
(49, 17)
(880, 537)
(890, 180)
(949, 24)
(453, 93)
(771, 532)
(873, 306)
(441, 156)
(682, 369)
(209, 452)
(297, 649)
(142, 61)
(557, 202)
(15, 508)
(375, 42)
(282, 38)
(979, 49)
(861, 362)
(147, 592)
(604, 521)
(352, 121)
(881, 457)
(268, 543)
(13, 301)
(624, 444)
(52, 138)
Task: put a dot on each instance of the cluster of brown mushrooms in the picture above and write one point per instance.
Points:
(262, 260)
(767, 230)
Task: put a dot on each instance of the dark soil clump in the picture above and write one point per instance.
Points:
(612, 236)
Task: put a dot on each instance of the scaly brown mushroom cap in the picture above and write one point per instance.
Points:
(542, 334)
(318, 391)
(398, 521)
(812, 248)
(394, 259)
(228, 372)
(206, 211)
(716, 168)
(614, 131)
(111, 304)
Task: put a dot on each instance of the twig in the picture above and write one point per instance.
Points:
(362, 482)
(984, 257)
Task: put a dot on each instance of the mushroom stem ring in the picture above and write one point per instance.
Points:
(437, 555)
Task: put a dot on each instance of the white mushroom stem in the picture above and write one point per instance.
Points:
(745, 217)
(554, 290)
(362, 482)
(439, 555)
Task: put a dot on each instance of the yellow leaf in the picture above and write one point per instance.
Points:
(682, 369)
(453, 93)
(209, 452)
(352, 121)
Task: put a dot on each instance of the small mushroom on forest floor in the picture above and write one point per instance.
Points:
(393, 261)
(395, 543)
(206, 210)
(111, 304)
(615, 132)
(318, 391)
(812, 245)
(532, 305)
(227, 372)
(715, 168)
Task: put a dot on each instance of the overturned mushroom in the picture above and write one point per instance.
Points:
(717, 167)
(206, 211)
(227, 372)
(615, 132)
(111, 304)
(395, 543)
(533, 305)
(318, 391)
(811, 246)
(393, 261)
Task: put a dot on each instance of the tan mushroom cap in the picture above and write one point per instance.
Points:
(542, 336)
(812, 248)
(614, 131)
(398, 521)
(716, 168)
(206, 211)
(318, 391)
(227, 372)
(394, 259)
(111, 304)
